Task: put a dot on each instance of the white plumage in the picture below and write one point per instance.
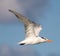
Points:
(32, 30)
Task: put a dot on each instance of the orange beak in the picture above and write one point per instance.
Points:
(49, 41)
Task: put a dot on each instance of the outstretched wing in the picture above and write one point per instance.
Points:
(27, 23)
(31, 28)
(21, 17)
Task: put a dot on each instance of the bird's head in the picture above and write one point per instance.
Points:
(46, 40)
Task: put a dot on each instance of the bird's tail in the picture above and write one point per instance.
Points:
(21, 43)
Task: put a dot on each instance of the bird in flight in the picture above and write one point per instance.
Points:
(32, 31)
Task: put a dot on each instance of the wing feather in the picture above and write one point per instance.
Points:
(37, 29)
(31, 28)
(21, 17)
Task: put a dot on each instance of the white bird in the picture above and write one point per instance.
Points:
(32, 30)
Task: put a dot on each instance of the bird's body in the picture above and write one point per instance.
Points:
(32, 30)
(31, 40)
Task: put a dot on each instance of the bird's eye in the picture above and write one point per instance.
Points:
(43, 38)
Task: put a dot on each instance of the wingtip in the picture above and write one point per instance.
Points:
(10, 10)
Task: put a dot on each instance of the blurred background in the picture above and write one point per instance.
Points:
(44, 12)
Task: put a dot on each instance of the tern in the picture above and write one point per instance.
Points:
(32, 31)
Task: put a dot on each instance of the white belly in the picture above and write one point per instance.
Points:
(31, 41)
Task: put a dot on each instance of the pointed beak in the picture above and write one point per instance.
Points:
(49, 41)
